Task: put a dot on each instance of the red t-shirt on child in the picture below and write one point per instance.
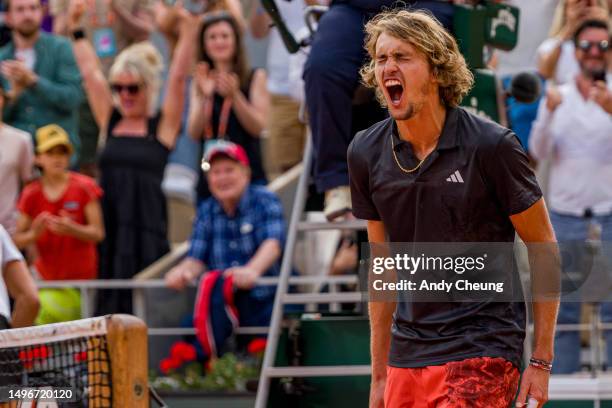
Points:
(61, 257)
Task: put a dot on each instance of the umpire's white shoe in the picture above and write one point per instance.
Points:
(337, 202)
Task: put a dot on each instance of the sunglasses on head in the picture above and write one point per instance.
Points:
(602, 46)
(132, 89)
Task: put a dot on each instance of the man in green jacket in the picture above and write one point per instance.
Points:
(41, 74)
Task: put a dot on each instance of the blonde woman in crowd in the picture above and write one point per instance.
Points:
(139, 138)
(556, 60)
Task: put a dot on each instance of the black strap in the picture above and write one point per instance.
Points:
(4, 323)
(152, 125)
(247, 87)
(114, 119)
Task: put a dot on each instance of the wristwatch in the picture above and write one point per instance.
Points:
(78, 34)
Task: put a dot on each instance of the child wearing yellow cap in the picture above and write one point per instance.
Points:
(60, 213)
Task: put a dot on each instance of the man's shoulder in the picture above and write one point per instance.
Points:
(53, 41)
(368, 139)
(7, 50)
(20, 136)
(480, 132)
(206, 205)
(262, 195)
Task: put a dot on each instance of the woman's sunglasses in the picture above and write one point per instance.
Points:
(602, 46)
(131, 89)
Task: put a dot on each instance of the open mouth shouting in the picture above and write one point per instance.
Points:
(395, 90)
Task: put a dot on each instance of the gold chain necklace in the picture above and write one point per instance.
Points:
(398, 163)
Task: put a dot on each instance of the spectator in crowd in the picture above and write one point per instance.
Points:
(239, 230)
(45, 85)
(286, 133)
(47, 22)
(111, 26)
(168, 11)
(5, 31)
(16, 282)
(229, 100)
(16, 164)
(574, 125)
(60, 213)
(331, 78)
(183, 170)
(139, 139)
(556, 60)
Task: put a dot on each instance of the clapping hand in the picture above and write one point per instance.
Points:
(578, 11)
(40, 223)
(227, 84)
(18, 73)
(76, 10)
(189, 22)
(594, 13)
(62, 224)
(205, 79)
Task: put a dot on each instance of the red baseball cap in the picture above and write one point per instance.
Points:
(217, 148)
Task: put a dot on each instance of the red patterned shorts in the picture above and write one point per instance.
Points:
(482, 382)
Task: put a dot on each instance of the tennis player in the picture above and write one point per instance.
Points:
(433, 172)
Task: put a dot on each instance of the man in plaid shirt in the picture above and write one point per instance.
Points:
(239, 230)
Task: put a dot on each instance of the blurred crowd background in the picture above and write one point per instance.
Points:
(109, 106)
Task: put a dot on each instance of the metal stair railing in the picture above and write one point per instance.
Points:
(138, 287)
(282, 296)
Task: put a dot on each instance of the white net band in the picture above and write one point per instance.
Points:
(27, 336)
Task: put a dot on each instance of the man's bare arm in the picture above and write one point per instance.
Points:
(268, 252)
(381, 317)
(22, 289)
(534, 227)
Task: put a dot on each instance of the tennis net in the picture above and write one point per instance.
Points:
(97, 362)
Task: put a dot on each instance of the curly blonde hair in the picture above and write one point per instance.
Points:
(427, 35)
(143, 61)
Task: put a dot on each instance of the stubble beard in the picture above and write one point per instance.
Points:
(411, 111)
(413, 108)
(408, 113)
(28, 30)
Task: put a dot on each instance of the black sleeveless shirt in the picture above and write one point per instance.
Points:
(134, 205)
(239, 135)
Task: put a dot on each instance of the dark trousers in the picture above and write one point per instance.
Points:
(331, 75)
